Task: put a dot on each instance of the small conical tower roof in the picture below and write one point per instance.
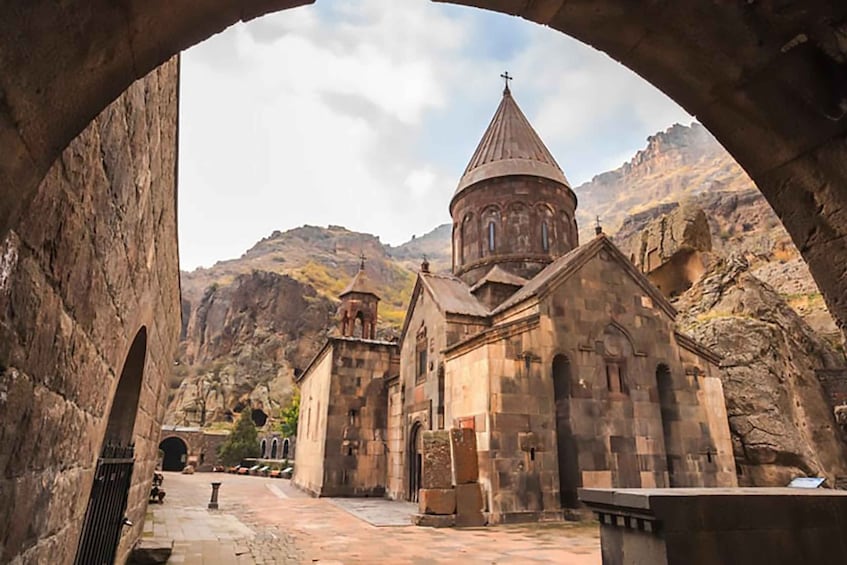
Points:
(510, 146)
(360, 284)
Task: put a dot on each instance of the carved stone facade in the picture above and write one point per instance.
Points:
(565, 361)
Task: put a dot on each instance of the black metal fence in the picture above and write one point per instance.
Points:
(104, 517)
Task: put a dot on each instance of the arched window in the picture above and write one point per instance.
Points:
(286, 447)
(264, 447)
(545, 238)
(420, 351)
(491, 235)
(274, 445)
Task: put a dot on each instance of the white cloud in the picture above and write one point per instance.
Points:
(342, 112)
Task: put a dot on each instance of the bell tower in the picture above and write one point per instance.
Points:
(513, 207)
(357, 314)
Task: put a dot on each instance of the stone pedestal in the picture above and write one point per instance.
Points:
(720, 526)
(469, 505)
(437, 501)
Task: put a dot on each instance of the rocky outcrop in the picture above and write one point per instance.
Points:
(781, 422)
(677, 163)
(242, 343)
(669, 248)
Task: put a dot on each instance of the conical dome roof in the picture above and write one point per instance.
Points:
(510, 146)
(360, 284)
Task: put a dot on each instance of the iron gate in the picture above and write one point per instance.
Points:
(104, 517)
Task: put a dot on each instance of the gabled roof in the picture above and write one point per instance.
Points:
(562, 268)
(510, 146)
(451, 296)
(360, 284)
(500, 276)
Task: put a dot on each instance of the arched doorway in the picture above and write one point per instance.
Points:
(175, 454)
(286, 446)
(259, 417)
(104, 516)
(565, 442)
(273, 448)
(415, 461)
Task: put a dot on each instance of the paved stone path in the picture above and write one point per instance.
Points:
(268, 521)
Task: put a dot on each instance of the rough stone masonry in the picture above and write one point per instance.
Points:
(91, 265)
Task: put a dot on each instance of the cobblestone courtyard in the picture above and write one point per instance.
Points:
(267, 521)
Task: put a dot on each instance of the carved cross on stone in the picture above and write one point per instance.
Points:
(362, 261)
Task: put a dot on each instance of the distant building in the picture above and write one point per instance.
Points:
(564, 359)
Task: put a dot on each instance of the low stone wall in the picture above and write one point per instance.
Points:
(720, 526)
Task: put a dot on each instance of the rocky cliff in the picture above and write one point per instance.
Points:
(249, 323)
(679, 162)
(241, 344)
(781, 422)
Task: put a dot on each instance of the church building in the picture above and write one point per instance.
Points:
(563, 359)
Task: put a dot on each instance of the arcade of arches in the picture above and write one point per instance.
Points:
(767, 79)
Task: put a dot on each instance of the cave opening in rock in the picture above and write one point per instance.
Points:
(259, 417)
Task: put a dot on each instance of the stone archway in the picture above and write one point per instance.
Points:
(124, 410)
(175, 453)
(768, 80)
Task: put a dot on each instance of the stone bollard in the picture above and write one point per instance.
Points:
(213, 502)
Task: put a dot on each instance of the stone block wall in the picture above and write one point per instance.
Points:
(92, 265)
(345, 452)
(396, 485)
(311, 425)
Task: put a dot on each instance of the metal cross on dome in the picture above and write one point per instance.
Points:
(505, 76)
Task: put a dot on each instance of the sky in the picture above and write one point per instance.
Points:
(364, 113)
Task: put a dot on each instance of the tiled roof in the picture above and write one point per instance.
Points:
(452, 295)
(510, 146)
(360, 284)
(502, 276)
(570, 263)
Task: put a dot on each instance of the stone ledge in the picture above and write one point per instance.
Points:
(720, 526)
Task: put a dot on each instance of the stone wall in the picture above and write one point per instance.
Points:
(396, 435)
(311, 425)
(355, 462)
(202, 446)
(575, 397)
(518, 206)
(91, 269)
